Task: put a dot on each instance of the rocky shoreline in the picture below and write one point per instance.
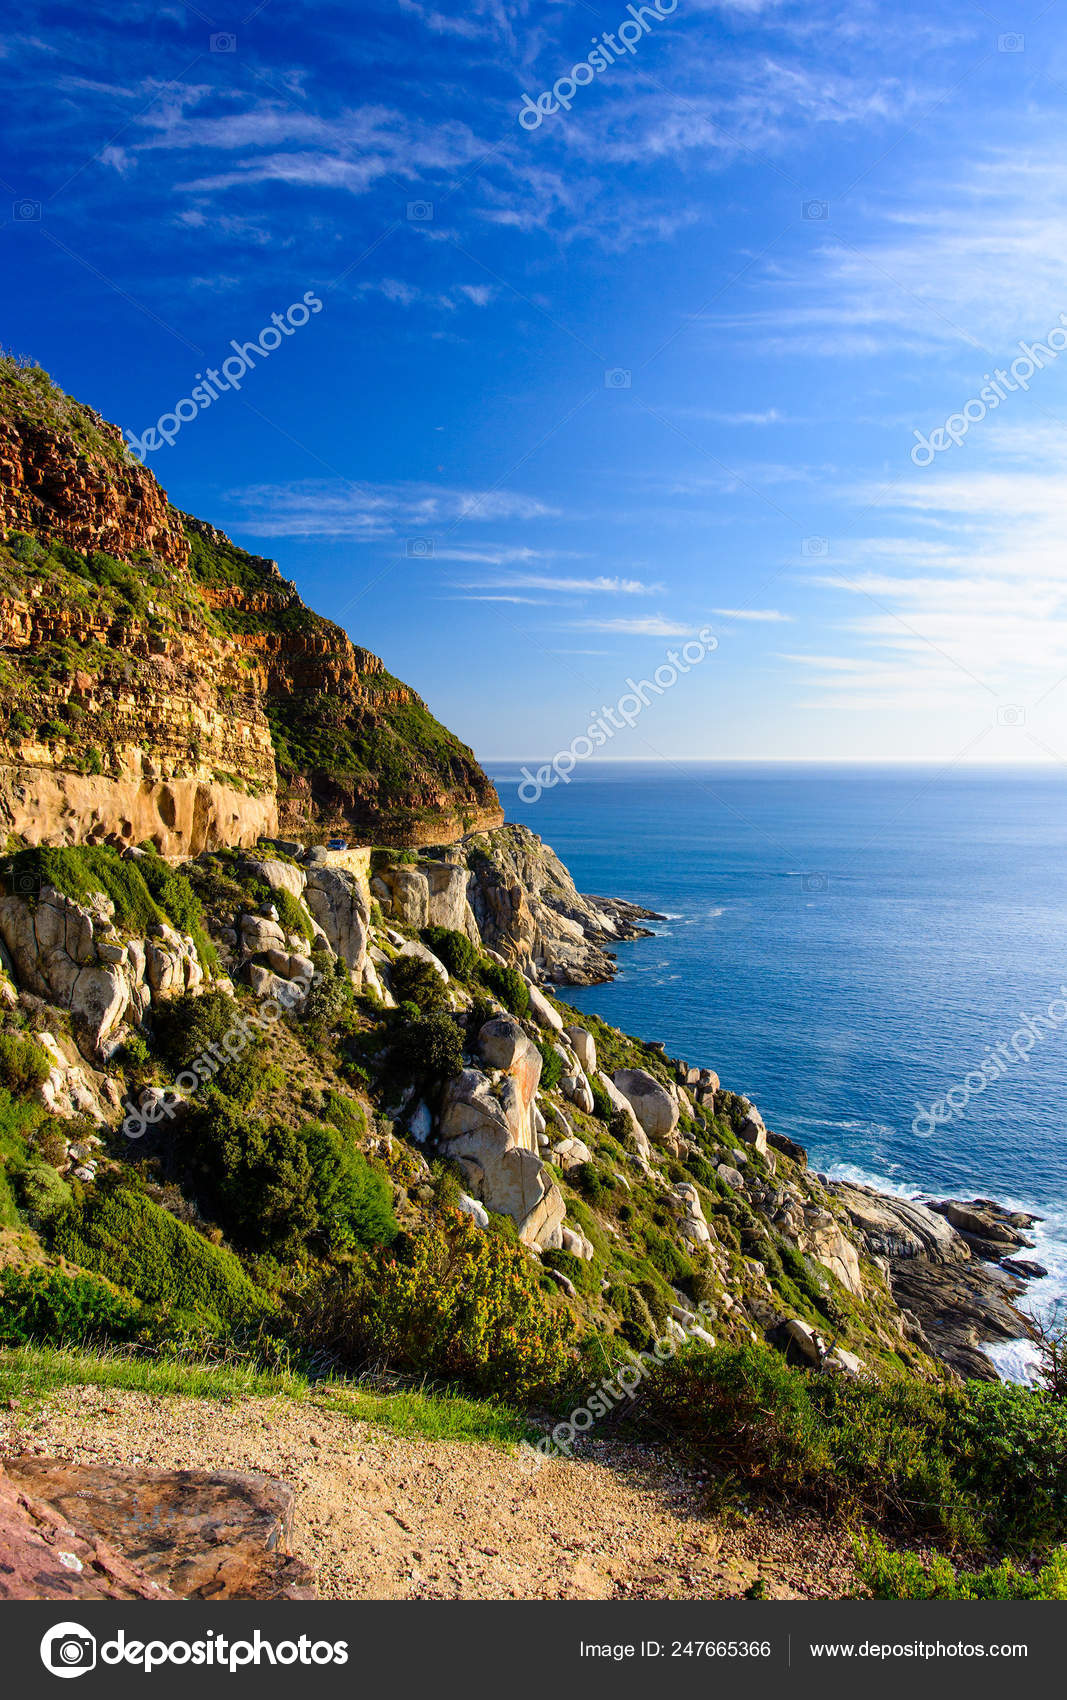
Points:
(950, 1280)
(950, 1263)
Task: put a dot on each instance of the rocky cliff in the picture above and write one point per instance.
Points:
(157, 682)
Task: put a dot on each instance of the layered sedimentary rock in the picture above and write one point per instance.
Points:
(157, 682)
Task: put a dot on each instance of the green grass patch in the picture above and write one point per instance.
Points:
(29, 1372)
(429, 1416)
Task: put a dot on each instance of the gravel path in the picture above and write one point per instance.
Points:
(382, 1517)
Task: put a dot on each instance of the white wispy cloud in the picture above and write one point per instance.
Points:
(327, 508)
(573, 586)
(653, 625)
(769, 616)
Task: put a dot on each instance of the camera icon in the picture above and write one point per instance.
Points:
(223, 42)
(420, 212)
(815, 885)
(68, 1649)
(23, 882)
(1011, 43)
(1011, 714)
(617, 378)
(815, 546)
(816, 209)
(26, 212)
(419, 548)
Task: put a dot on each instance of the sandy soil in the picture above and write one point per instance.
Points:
(380, 1517)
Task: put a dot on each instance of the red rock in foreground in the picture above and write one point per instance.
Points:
(88, 1531)
(42, 1557)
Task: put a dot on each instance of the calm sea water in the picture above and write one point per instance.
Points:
(844, 945)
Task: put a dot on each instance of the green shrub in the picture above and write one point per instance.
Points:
(276, 1187)
(417, 981)
(508, 985)
(122, 1233)
(590, 1181)
(42, 1192)
(904, 1576)
(353, 1201)
(176, 898)
(452, 948)
(427, 1049)
(189, 1028)
(23, 1064)
(331, 995)
(345, 1114)
(135, 1054)
(636, 1324)
(292, 916)
(1009, 1444)
(584, 1273)
(145, 889)
(551, 1065)
(45, 1307)
(603, 1108)
(455, 1303)
(981, 1462)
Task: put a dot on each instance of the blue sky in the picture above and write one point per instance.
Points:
(577, 391)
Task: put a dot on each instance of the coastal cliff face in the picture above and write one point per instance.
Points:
(159, 683)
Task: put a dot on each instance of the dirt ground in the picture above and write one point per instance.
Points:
(384, 1517)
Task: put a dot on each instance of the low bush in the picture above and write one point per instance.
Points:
(417, 981)
(211, 1029)
(292, 916)
(905, 1576)
(978, 1463)
(508, 985)
(331, 996)
(452, 948)
(426, 1050)
(454, 1302)
(277, 1188)
(42, 1192)
(551, 1065)
(122, 1233)
(48, 1308)
(603, 1108)
(23, 1064)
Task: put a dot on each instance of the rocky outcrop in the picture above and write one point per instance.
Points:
(182, 1534)
(487, 1125)
(433, 894)
(991, 1231)
(71, 955)
(527, 907)
(956, 1303)
(339, 902)
(651, 1103)
(899, 1229)
(584, 1047)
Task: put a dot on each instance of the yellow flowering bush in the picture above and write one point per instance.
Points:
(455, 1302)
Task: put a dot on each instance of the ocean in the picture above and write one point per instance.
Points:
(844, 946)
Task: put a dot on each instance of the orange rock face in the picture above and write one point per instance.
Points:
(193, 700)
